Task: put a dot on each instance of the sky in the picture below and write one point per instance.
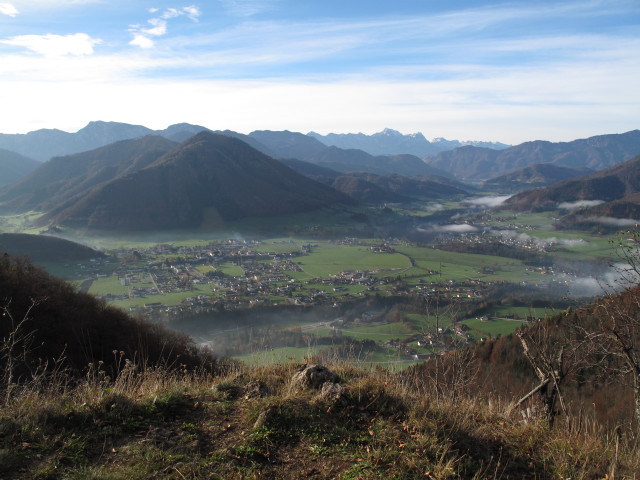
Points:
(467, 70)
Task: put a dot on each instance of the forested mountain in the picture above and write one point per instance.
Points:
(14, 166)
(63, 179)
(205, 181)
(606, 185)
(596, 153)
(370, 187)
(605, 200)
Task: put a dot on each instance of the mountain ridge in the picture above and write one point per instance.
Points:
(207, 180)
(599, 152)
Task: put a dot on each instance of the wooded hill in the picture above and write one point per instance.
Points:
(152, 184)
(45, 248)
(611, 193)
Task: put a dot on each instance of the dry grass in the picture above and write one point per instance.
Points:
(251, 423)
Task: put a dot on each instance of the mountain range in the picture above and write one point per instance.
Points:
(392, 142)
(44, 144)
(475, 164)
(152, 184)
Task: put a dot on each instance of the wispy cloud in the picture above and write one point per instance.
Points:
(248, 8)
(157, 26)
(8, 9)
(511, 72)
(77, 44)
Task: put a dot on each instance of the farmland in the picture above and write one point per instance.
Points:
(391, 298)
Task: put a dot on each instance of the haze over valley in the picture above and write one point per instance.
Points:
(217, 233)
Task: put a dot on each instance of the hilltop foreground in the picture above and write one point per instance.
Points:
(87, 392)
(258, 423)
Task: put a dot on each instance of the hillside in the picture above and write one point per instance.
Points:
(14, 166)
(45, 248)
(202, 183)
(369, 187)
(605, 186)
(534, 176)
(49, 322)
(62, 179)
(292, 145)
(596, 153)
(357, 160)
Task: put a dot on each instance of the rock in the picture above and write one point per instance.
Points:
(256, 389)
(333, 394)
(265, 417)
(313, 376)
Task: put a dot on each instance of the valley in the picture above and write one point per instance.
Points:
(274, 245)
(390, 301)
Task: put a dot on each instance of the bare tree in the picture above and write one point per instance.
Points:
(554, 352)
(15, 346)
(616, 338)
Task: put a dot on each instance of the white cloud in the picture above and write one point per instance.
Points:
(159, 25)
(77, 44)
(192, 12)
(8, 9)
(141, 41)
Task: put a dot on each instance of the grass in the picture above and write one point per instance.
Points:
(492, 328)
(330, 259)
(254, 422)
(105, 285)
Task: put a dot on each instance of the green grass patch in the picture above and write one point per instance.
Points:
(493, 327)
(281, 355)
(105, 285)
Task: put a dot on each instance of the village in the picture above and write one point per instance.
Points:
(234, 274)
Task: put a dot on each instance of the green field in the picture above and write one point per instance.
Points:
(106, 285)
(492, 328)
(328, 259)
(461, 266)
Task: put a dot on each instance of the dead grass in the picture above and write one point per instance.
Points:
(250, 423)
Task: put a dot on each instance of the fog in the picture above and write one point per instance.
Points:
(579, 204)
(612, 221)
(448, 228)
(543, 242)
(488, 202)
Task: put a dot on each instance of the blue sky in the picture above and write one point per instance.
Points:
(468, 70)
